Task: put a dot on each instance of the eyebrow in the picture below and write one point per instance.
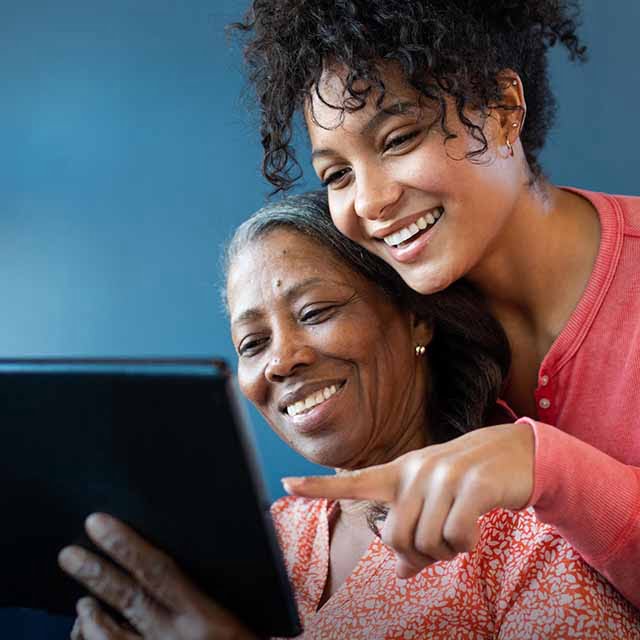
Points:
(395, 109)
(253, 313)
(376, 121)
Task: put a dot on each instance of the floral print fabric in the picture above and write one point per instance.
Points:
(521, 582)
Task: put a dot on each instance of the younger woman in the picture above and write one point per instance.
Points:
(426, 119)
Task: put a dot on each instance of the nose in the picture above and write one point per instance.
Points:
(376, 194)
(288, 357)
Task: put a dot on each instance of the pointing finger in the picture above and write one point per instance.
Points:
(378, 483)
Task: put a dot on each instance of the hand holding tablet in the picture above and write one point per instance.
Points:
(152, 594)
(162, 447)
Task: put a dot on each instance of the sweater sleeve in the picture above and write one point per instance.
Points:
(593, 501)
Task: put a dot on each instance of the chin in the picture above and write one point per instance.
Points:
(326, 454)
(427, 281)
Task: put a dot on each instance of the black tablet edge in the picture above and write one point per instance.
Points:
(247, 440)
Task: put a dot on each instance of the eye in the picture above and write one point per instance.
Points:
(251, 345)
(400, 141)
(313, 314)
(336, 177)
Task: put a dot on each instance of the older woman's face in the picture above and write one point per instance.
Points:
(326, 358)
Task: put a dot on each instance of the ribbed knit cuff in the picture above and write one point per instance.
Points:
(592, 499)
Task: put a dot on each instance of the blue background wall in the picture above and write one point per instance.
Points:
(127, 156)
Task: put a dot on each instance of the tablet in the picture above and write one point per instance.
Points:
(161, 445)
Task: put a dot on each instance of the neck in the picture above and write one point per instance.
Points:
(411, 437)
(541, 263)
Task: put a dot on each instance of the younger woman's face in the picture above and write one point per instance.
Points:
(399, 190)
(327, 359)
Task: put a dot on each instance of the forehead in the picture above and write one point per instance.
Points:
(324, 108)
(273, 264)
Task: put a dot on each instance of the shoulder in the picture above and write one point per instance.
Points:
(529, 567)
(611, 204)
(302, 528)
(630, 206)
(297, 508)
(297, 519)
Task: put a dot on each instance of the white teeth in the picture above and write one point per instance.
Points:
(311, 400)
(396, 238)
(296, 407)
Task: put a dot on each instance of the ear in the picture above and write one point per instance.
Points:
(422, 330)
(511, 110)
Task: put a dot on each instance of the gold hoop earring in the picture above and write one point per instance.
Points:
(420, 350)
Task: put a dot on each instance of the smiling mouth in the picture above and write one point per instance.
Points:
(313, 400)
(412, 231)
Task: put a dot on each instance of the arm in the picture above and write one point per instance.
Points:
(593, 501)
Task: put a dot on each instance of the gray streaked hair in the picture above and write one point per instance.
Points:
(308, 214)
(469, 353)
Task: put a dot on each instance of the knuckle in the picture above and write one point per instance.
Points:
(87, 568)
(456, 536)
(136, 608)
(428, 547)
(413, 464)
(130, 601)
(115, 544)
(158, 574)
(396, 538)
(475, 478)
(444, 474)
(434, 548)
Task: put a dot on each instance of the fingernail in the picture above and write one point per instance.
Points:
(77, 561)
(71, 558)
(85, 605)
(289, 484)
(98, 524)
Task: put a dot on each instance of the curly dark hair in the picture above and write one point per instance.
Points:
(445, 48)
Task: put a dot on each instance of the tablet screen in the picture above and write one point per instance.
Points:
(161, 445)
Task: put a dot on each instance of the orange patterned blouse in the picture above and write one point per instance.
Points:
(522, 582)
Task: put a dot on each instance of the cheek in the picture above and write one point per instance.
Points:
(250, 385)
(386, 352)
(344, 216)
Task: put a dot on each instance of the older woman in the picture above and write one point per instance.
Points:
(354, 370)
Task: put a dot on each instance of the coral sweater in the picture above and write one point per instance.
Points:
(587, 466)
